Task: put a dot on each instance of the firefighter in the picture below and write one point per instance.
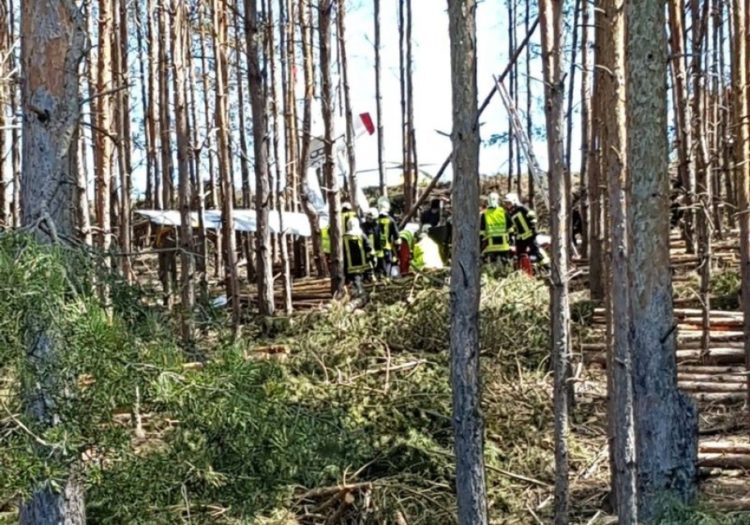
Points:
(426, 252)
(388, 235)
(493, 231)
(524, 228)
(357, 255)
(405, 250)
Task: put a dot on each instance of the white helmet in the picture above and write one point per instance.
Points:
(493, 200)
(352, 226)
(512, 198)
(384, 205)
(346, 206)
(372, 213)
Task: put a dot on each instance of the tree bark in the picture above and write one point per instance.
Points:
(331, 179)
(585, 126)
(465, 286)
(286, 274)
(260, 146)
(305, 23)
(621, 407)
(383, 187)
(554, 96)
(53, 39)
(225, 175)
(593, 169)
(104, 126)
(741, 110)
(340, 30)
(124, 142)
(666, 420)
(187, 248)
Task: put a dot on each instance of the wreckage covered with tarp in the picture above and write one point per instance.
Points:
(291, 223)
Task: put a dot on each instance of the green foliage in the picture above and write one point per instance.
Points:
(679, 514)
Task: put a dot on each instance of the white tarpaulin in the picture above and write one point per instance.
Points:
(244, 220)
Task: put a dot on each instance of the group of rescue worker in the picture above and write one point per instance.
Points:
(375, 248)
(507, 229)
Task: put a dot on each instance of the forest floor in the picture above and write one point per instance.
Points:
(339, 414)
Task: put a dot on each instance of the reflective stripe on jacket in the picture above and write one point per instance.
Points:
(355, 255)
(495, 231)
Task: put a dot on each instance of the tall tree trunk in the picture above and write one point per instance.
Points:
(331, 179)
(305, 22)
(411, 151)
(247, 245)
(225, 176)
(286, 274)
(214, 184)
(465, 289)
(666, 419)
(620, 366)
(152, 114)
(187, 248)
(340, 31)
(383, 187)
(167, 261)
(683, 137)
(554, 96)
(572, 249)
(123, 127)
(529, 127)
(596, 211)
(740, 79)
(104, 126)
(699, 152)
(260, 145)
(404, 114)
(53, 39)
(198, 199)
(585, 127)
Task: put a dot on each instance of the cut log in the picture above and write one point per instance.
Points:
(719, 397)
(729, 461)
(709, 386)
(714, 356)
(724, 447)
(711, 378)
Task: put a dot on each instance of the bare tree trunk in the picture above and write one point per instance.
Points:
(214, 185)
(529, 127)
(286, 273)
(198, 200)
(699, 15)
(740, 79)
(123, 126)
(331, 179)
(379, 100)
(410, 162)
(340, 26)
(53, 39)
(167, 260)
(683, 137)
(246, 238)
(151, 114)
(305, 23)
(225, 177)
(260, 145)
(596, 212)
(621, 408)
(666, 428)
(572, 249)
(554, 95)
(465, 286)
(585, 126)
(187, 263)
(103, 134)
